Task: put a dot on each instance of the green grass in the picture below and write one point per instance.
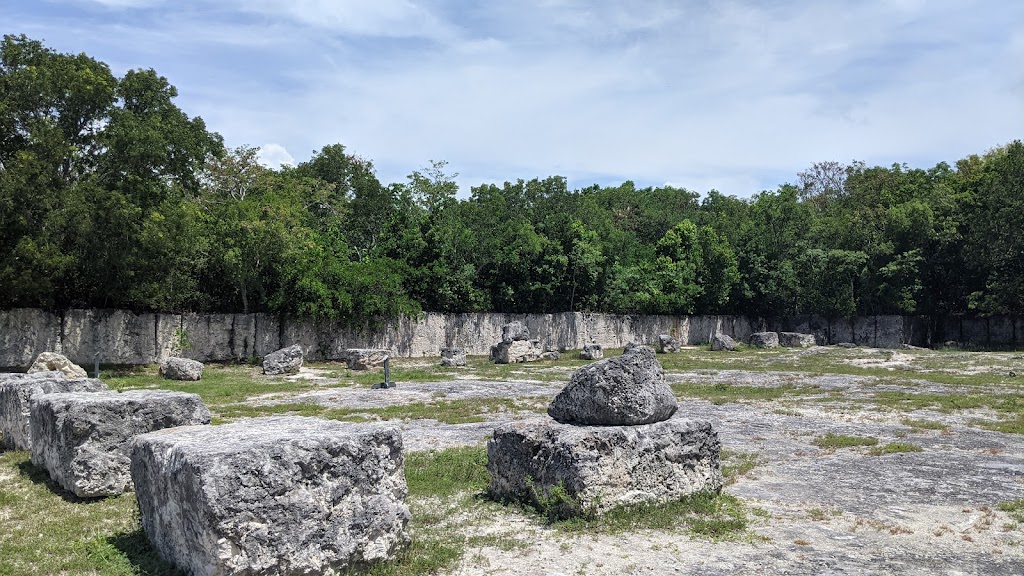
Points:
(448, 411)
(721, 393)
(1015, 508)
(46, 531)
(833, 441)
(919, 425)
(737, 464)
(447, 473)
(1013, 425)
(894, 448)
(705, 515)
(221, 384)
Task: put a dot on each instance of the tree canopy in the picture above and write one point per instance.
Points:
(112, 196)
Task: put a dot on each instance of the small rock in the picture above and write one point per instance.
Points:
(550, 355)
(592, 352)
(623, 391)
(723, 342)
(514, 332)
(667, 344)
(453, 357)
(284, 361)
(846, 345)
(53, 362)
(764, 339)
(181, 369)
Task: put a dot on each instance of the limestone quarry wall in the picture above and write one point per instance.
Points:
(122, 337)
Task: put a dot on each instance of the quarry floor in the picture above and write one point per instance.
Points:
(822, 510)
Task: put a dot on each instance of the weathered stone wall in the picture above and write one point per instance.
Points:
(122, 337)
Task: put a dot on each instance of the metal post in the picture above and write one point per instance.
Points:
(387, 370)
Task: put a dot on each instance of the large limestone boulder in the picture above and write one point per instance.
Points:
(667, 344)
(365, 358)
(181, 369)
(591, 352)
(764, 340)
(84, 440)
(514, 332)
(517, 351)
(453, 357)
(53, 362)
(796, 340)
(723, 342)
(603, 467)
(284, 361)
(623, 391)
(278, 495)
(16, 393)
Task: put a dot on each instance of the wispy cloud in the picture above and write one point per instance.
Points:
(729, 95)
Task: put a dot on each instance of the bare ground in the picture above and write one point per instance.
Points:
(840, 511)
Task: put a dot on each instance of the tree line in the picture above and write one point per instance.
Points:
(113, 197)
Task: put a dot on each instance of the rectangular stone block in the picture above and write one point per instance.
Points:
(889, 331)
(604, 467)
(16, 393)
(1001, 331)
(84, 440)
(218, 337)
(168, 331)
(840, 331)
(975, 331)
(278, 495)
(110, 336)
(24, 333)
(864, 331)
(268, 334)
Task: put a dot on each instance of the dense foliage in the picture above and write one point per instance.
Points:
(111, 196)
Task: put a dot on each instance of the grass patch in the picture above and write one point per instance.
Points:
(722, 393)
(1007, 426)
(895, 448)
(737, 464)
(919, 425)
(948, 403)
(447, 411)
(448, 472)
(47, 531)
(220, 384)
(714, 516)
(1015, 508)
(833, 441)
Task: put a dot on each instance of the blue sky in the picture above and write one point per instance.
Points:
(738, 96)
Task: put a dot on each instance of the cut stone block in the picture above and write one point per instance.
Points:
(604, 467)
(764, 339)
(592, 352)
(796, 340)
(517, 351)
(181, 369)
(276, 495)
(284, 361)
(453, 357)
(723, 342)
(514, 332)
(667, 344)
(53, 362)
(84, 440)
(16, 393)
(365, 358)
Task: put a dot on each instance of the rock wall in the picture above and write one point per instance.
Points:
(122, 337)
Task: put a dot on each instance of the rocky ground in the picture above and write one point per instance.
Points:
(820, 510)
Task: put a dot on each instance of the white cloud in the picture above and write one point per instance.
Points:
(275, 156)
(733, 95)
